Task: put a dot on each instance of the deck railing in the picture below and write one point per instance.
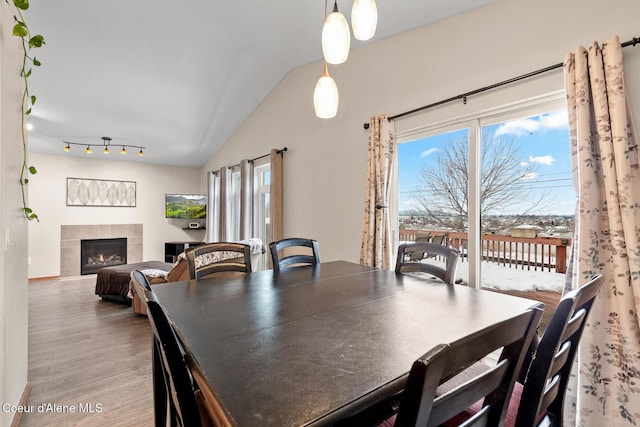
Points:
(533, 253)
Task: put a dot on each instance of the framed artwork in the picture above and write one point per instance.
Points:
(100, 192)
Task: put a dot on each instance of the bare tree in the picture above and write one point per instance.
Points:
(443, 185)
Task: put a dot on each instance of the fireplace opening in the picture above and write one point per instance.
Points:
(99, 253)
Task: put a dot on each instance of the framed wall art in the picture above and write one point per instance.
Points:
(100, 192)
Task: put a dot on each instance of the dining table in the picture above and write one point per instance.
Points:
(309, 345)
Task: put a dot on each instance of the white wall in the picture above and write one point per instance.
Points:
(325, 167)
(13, 259)
(47, 197)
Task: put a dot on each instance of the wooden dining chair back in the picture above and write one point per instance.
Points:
(439, 239)
(282, 258)
(449, 255)
(545, 385)
(422, 405)
(417, 255)
(173, 385)
(213, 258)
(140, 285)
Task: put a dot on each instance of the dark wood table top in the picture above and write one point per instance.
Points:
(290, 348)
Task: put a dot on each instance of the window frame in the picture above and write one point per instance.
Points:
(474, 122)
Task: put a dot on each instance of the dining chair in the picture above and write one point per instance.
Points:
(176, 398)
(424, 403)
(417, 256)
(212, 258)
(439, 239)
(545, 385)
(450, 256)
(140, 285)
(310, 255)
(539, 399)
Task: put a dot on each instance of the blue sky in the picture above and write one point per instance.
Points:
(544, 141)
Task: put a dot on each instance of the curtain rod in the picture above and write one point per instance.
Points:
(282, 150)
(267, 155)
(464, 96)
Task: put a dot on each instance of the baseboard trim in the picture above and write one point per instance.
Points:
(36, 279)
(23, 402)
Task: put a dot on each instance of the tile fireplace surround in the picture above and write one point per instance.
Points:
(70, 236)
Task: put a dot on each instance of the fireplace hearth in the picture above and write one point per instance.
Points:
(99, 253)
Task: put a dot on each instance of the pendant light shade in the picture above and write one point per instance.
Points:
(325, 96)
(364, 19)
(336, 37)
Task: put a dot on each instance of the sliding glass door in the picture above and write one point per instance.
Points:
(497, 187)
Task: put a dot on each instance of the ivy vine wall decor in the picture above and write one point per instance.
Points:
(21, 30)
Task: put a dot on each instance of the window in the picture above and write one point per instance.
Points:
(262, 220)
(499, 187)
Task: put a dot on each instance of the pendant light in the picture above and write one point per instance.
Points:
(325, 96)
(364, 19)
(336, 37)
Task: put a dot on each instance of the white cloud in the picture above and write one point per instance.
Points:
(543, 160)
(529, 175)
(429, 152)
(524, 164)
(551, 121)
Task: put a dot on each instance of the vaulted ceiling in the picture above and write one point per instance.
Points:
(179, 77)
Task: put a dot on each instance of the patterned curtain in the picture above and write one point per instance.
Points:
(375, 250)
(606, 172)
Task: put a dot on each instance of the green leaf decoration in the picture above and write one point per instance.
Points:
(32, 170)
(20, 29)
(21, 4)
(36, 41)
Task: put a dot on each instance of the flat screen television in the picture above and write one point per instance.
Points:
(185, 206)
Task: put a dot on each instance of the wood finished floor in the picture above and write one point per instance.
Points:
(83, 350)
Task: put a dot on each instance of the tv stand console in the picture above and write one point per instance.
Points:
(173, 249)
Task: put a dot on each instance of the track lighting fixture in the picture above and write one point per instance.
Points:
(106, 144)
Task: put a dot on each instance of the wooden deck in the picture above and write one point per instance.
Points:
(550, 300)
